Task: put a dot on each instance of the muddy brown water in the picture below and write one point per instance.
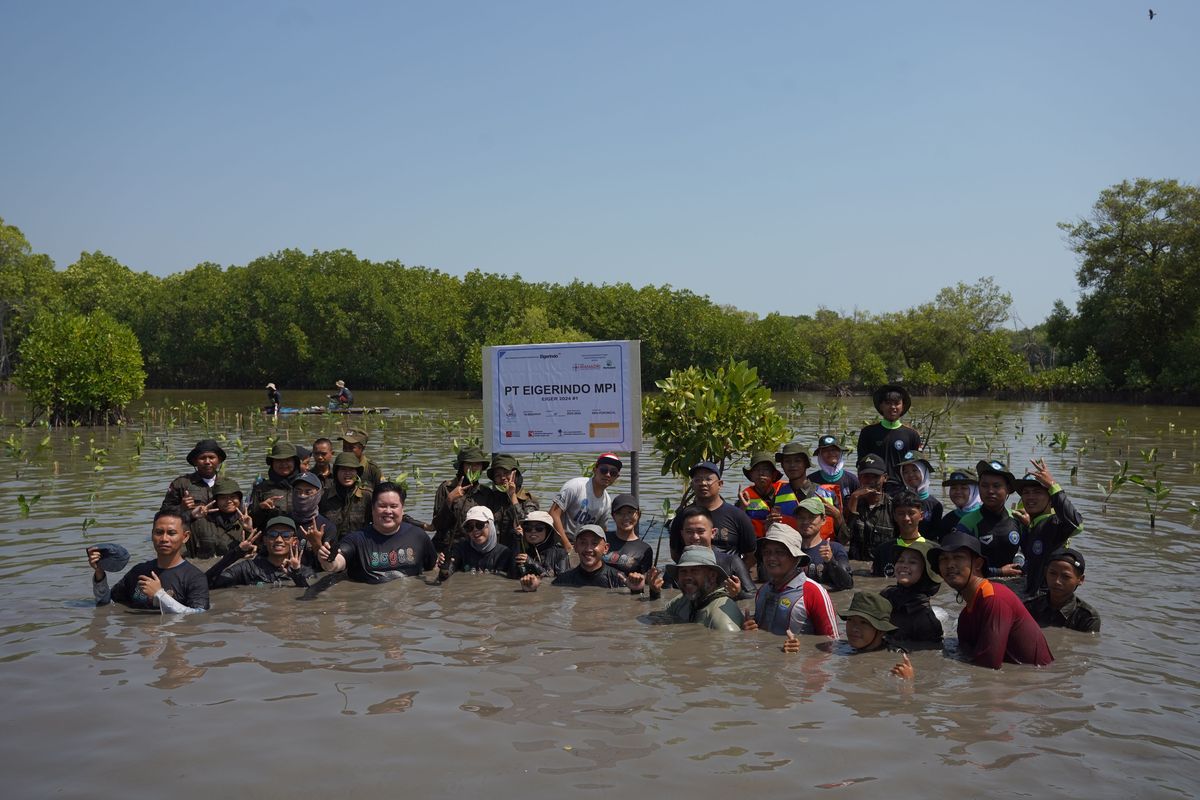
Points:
(473, 687)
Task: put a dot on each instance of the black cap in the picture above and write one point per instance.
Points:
(955, 540)
(994, 467)
(1070, 555)
(625, 501)
(309, 478)
(872, 463)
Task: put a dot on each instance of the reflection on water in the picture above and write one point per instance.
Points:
(474, 685)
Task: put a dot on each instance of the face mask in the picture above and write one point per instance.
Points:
(306, 507)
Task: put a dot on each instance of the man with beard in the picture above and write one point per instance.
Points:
(994, 626)
(704, 599)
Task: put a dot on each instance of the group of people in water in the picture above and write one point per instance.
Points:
(768, 561)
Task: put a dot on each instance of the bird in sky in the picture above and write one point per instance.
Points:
(1152, 14)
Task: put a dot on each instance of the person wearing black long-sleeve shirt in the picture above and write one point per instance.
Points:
(889, 438)
(279, 565)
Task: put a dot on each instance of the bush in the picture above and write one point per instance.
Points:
(80, 369)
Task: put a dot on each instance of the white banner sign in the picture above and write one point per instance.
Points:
(563, 398)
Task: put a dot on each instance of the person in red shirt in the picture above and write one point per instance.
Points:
(994, 627)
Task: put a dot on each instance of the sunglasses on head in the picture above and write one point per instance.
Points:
(474, 525)
(609, 470)
(279, 534)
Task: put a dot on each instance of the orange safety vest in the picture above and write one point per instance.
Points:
(758, 508)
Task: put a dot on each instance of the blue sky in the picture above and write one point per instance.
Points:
(774, 156)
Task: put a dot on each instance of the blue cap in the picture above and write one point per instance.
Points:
(113, 557)
(708, 465)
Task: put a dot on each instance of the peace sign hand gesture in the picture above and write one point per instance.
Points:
(202, 511)
(249, 542)
(292, 562)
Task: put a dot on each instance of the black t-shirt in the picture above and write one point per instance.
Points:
(631, 556)
(890, 444)
(545, 560)
(605, 578)
(732, 532)
(372, 557)
(465, 558)
(184, 582)
(257, 571)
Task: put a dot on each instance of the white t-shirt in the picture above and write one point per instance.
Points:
(580, 507)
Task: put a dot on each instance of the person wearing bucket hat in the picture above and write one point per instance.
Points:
(269, 558)
(479, 550)
(193, 491)
(758, 499)
(831, 467)
(1058, 607)
(870, 510)
(343, 397)
(585, 500)
(916, 582)
(274, 400)
(226, 524)
(915, 473)
(732, 532)
(510, 497)
(167, 583)
(272, 493)
(868, 622)
(829, 562)
(994, 626)
(794, 459)
(992, 523)
(1048, 521)
(355, 441)
(789, 603)
(963, 489)
(889, 438)
(348, 506)
(458, 495)
(540, 551)
(703, 599)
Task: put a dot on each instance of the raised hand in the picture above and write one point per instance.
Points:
(1041, 473)
(200, 512)
(292, 562)
(733, 586)
(792, 645)
(636, 581)
(268, 503)
(312, 534)
(530, 583)
(749, 624)
(93, 555)
(187, 501)
(826, 551)
(245, 520)
(249, 542)
(655, 579)
(904, 669)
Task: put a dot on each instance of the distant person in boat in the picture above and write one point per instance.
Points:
(386, 549)
(191, 492)
(994, 626)
(355, 441)
(889, 438)
(274, 400)
(343, 397)
(166, 583)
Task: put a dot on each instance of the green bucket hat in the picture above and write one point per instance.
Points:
(472, 454)
(503, 461)
(932, 580)
(793, 449)
(348, 460)
(760, 457)
(281, 451)
(225, 485)
(874, 608)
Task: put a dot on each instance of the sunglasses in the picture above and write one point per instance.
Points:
(474, 525)
(534, 527)
(279, 535)
(607, 471)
